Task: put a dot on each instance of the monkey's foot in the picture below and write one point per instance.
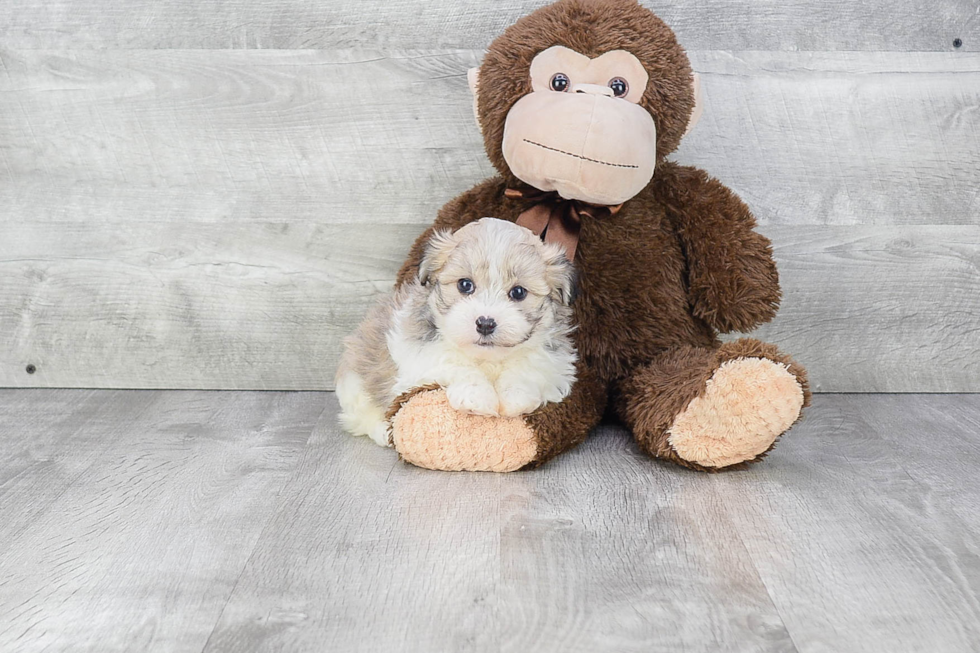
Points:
(746, 405)
(428, 432)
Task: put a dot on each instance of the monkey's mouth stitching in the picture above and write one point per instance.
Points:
(579, 156)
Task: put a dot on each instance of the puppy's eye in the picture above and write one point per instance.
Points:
(465, 286)
(619, 86)
(559, 82)
(517, 293)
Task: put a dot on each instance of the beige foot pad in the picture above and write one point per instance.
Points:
(746, 405)
(428, 432)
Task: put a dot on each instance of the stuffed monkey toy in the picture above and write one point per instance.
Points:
(579, 104)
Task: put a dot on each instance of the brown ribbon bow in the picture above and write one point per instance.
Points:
(556, 219)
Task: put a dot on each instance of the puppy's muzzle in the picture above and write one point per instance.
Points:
(485, 325)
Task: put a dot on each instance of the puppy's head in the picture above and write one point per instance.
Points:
(494, 286)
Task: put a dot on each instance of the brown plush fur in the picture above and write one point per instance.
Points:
(658, 280)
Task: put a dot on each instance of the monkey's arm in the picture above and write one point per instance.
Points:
(733, 282)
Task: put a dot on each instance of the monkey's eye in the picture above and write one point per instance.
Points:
(517, 293)
(619, 86)
(559, 82)
(465, 287)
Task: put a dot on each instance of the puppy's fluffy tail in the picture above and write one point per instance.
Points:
(359, 413)
(366, 375)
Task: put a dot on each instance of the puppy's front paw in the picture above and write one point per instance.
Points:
(518, 400)
(475, 398)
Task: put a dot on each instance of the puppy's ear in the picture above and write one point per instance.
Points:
(560, 272)
(437, 252)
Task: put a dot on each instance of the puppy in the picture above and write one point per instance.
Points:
(488, 319)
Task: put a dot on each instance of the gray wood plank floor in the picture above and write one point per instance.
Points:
(246, 521)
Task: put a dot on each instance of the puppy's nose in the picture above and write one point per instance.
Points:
(485, 325)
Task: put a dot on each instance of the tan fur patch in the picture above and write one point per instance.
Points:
(746, 405)
(429, 433)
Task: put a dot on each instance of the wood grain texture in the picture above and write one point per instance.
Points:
(842, 138)
(213, 135)
(880, 309)
(938, 445)
(911, 25)
(265, 306)
(188, 305)
(944, 464)
(609, 551)
(368, 553)
(50, 440)
(886, 561)
(140, 550)
(219, 219)
(804, 138)
(381, 555)
(240, 522)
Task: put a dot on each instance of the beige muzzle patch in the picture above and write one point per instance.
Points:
(578, 137)
(587, 146)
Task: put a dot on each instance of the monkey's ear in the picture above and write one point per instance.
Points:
(437, 252)
(473, 77)
(561, 274)
(698, 104)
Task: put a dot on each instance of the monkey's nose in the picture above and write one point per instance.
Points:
(485, 325)
(592, 89)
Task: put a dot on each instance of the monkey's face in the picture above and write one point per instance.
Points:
(584, 97)
(581, 131)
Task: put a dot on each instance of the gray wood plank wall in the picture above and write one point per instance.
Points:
(210, 196)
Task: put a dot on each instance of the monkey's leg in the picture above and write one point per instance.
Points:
(712, 409)
(427, 432)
